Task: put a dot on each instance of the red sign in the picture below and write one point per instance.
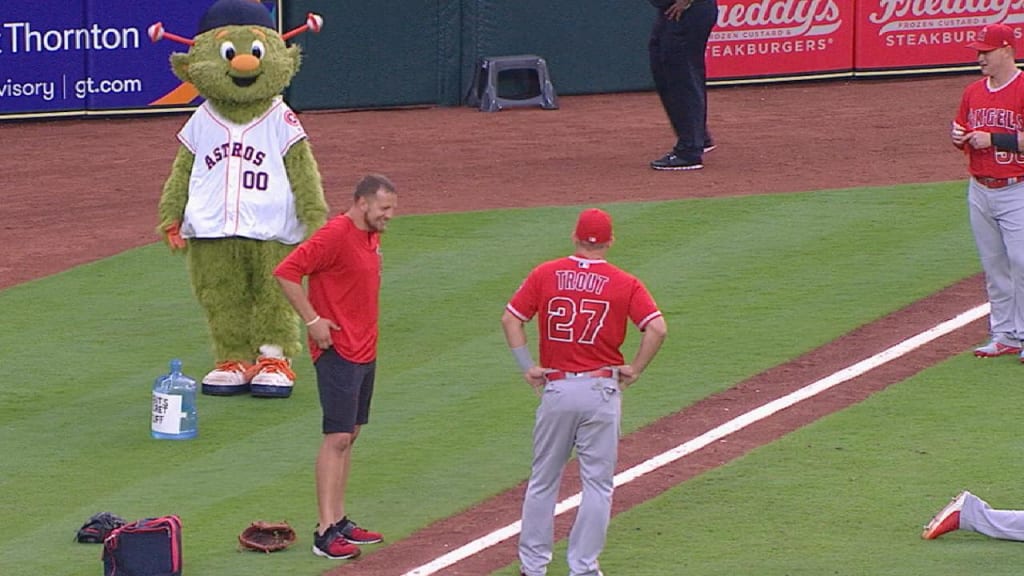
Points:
(781, 38)
(906, 34)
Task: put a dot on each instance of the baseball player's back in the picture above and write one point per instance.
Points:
(583, 305)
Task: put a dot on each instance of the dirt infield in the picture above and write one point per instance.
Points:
(80, 190)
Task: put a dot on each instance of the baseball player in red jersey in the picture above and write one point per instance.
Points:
(988, 129)
(343, 263)
(583, 305)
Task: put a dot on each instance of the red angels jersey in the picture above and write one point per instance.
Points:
(343, 264)
(582, 308)
(239, 185)
(999, 110)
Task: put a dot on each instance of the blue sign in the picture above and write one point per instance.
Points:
(73, 57)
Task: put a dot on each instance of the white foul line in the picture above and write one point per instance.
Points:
(734, 425)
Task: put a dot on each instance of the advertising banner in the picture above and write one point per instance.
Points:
(901, 35)
(758, 39)
(73, 57)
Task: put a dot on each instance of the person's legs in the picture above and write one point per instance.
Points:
(553, 435)
(339, 383)
(332, 463)
(331, 476)
(657, 62)
(681, 54)
(597, 449)
(676, 87)
(995, 261)
(978, 516)
(1009, 214)
(345, 525)
(701, 79)
(346, 391)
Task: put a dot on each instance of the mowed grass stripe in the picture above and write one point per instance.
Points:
(745, 283)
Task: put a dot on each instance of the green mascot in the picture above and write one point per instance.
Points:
(244, 190)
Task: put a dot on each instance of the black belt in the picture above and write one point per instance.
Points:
(563, 375)
(998, 182)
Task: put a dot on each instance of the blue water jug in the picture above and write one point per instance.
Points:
(174, 405)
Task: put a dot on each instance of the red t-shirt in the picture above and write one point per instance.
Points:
(995, 111)
(583, 307)
(343, 264)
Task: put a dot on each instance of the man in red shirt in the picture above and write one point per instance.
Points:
(342, 261)
(583, 305)
(988, 129)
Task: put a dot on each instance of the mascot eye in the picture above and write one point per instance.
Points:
(258, 49)
(227, 51)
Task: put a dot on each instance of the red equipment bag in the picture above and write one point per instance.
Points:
(148, 547)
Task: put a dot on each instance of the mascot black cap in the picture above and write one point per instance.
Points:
(236, 13)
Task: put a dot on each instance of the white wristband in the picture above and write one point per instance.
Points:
(313, 321)
(522, 356)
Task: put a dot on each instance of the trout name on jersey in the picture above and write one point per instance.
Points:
(996, 118)
(581, 281)
(234, 150)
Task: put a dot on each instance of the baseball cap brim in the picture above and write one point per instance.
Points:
(982, 47)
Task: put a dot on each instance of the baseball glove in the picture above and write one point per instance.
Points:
(98, 527)
(267, 537)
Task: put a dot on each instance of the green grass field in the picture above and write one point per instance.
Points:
(745, 284)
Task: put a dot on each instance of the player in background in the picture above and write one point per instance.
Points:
(582, 304)
(988, 129)
(676, 49)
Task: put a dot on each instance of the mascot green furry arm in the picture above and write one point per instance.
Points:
(244, 190)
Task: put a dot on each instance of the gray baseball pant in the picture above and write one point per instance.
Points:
(978, 516)
(997, 220)
(581, 413)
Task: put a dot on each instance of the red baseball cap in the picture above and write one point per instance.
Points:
(594, 226)
(992, 37)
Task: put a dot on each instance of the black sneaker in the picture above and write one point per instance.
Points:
(355, 534)
(709, 146)
(671, 161)
(333, 545)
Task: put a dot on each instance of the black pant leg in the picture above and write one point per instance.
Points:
(677, 65)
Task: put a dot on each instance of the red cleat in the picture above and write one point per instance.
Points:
(947, 520)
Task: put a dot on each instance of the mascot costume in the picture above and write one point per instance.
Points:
(244, 190)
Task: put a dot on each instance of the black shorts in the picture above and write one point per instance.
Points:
(346, 389)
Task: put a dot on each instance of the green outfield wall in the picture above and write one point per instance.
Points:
(81, 57)
(384, 53)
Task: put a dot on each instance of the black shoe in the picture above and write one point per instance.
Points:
(671, 161)
(709, 146)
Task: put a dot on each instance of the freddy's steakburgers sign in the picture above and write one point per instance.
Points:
(766, 38)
